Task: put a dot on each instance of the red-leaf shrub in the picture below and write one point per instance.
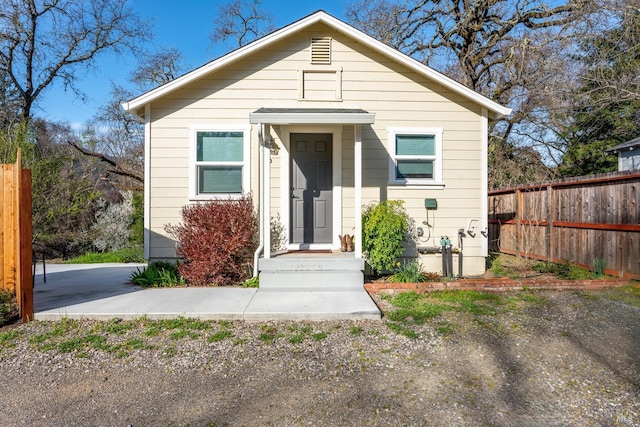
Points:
(217, 241)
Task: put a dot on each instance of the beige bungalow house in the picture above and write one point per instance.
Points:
(316, 120)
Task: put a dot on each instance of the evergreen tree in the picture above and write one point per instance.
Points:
(607, 107)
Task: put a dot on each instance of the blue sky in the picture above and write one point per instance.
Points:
(185, 25)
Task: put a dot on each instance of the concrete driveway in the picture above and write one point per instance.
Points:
(101, 291)
(75, 284)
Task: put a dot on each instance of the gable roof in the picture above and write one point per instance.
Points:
(629, 145)
(320, 16)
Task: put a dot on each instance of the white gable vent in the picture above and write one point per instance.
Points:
(321, 50)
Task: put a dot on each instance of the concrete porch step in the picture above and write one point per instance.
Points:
(333, 281)
(311, 274)
(311, 264)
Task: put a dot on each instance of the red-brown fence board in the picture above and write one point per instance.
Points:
(574, 219)
(15, 235)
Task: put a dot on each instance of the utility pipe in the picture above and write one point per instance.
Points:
(460, 256)
(266, 193)
(256, 255)
(470, 231)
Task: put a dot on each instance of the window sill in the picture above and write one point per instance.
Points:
(319, 100)
(215, 197)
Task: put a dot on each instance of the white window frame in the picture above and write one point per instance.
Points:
(437, 158)
(193, 169)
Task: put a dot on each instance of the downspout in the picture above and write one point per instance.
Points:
(147, 181)
(256, 255)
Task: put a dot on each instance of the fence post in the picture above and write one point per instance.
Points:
(550, 217)
(26, 252)
(519, 226)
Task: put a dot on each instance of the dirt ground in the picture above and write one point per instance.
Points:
(573, 359)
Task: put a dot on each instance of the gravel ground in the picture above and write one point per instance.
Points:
(572, 360)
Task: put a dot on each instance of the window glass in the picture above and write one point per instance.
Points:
(219, 179)
(219, 146)
(415, 145)
(414, 169)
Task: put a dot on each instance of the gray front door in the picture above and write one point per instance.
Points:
(311, 188)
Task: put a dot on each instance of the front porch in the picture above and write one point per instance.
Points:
(313, 273)
(305, 149)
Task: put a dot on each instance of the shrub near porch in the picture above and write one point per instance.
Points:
(385, 226)
(217, 241)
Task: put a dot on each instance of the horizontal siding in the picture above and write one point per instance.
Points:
(167, 173)
(167, 202)
(269, 78)
(168, 186)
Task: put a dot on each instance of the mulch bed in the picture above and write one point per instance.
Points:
(497, 285)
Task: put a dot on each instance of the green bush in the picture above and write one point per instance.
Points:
(563, 271)
(411, 272)
(385, 226)
(137, 220)
(158, 274)
(253, 282)
(124, 255)
(599, 265)
(497, 268)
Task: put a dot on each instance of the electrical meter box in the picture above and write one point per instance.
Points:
(431, 203)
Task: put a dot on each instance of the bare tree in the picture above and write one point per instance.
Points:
(611, 61)
(157, 69)
(480, 36)
(43, 41)
(515, 53)
(241, 20)
(115, 136)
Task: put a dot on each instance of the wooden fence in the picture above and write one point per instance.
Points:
(15, 235)
(572, 219)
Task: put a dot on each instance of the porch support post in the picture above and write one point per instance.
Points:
(266, 169)
(357, 184)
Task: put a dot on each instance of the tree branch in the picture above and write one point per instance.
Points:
(116, 168)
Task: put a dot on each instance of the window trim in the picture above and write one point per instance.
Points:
(194, 163)
(437, 158)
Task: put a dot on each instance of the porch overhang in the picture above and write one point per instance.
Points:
(311, 116)
(265, 117)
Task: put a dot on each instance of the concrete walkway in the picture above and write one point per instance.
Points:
(100, 291)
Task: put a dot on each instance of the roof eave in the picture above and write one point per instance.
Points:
(496, 110)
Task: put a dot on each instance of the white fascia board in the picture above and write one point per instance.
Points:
(313, 118)
(321, 16)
